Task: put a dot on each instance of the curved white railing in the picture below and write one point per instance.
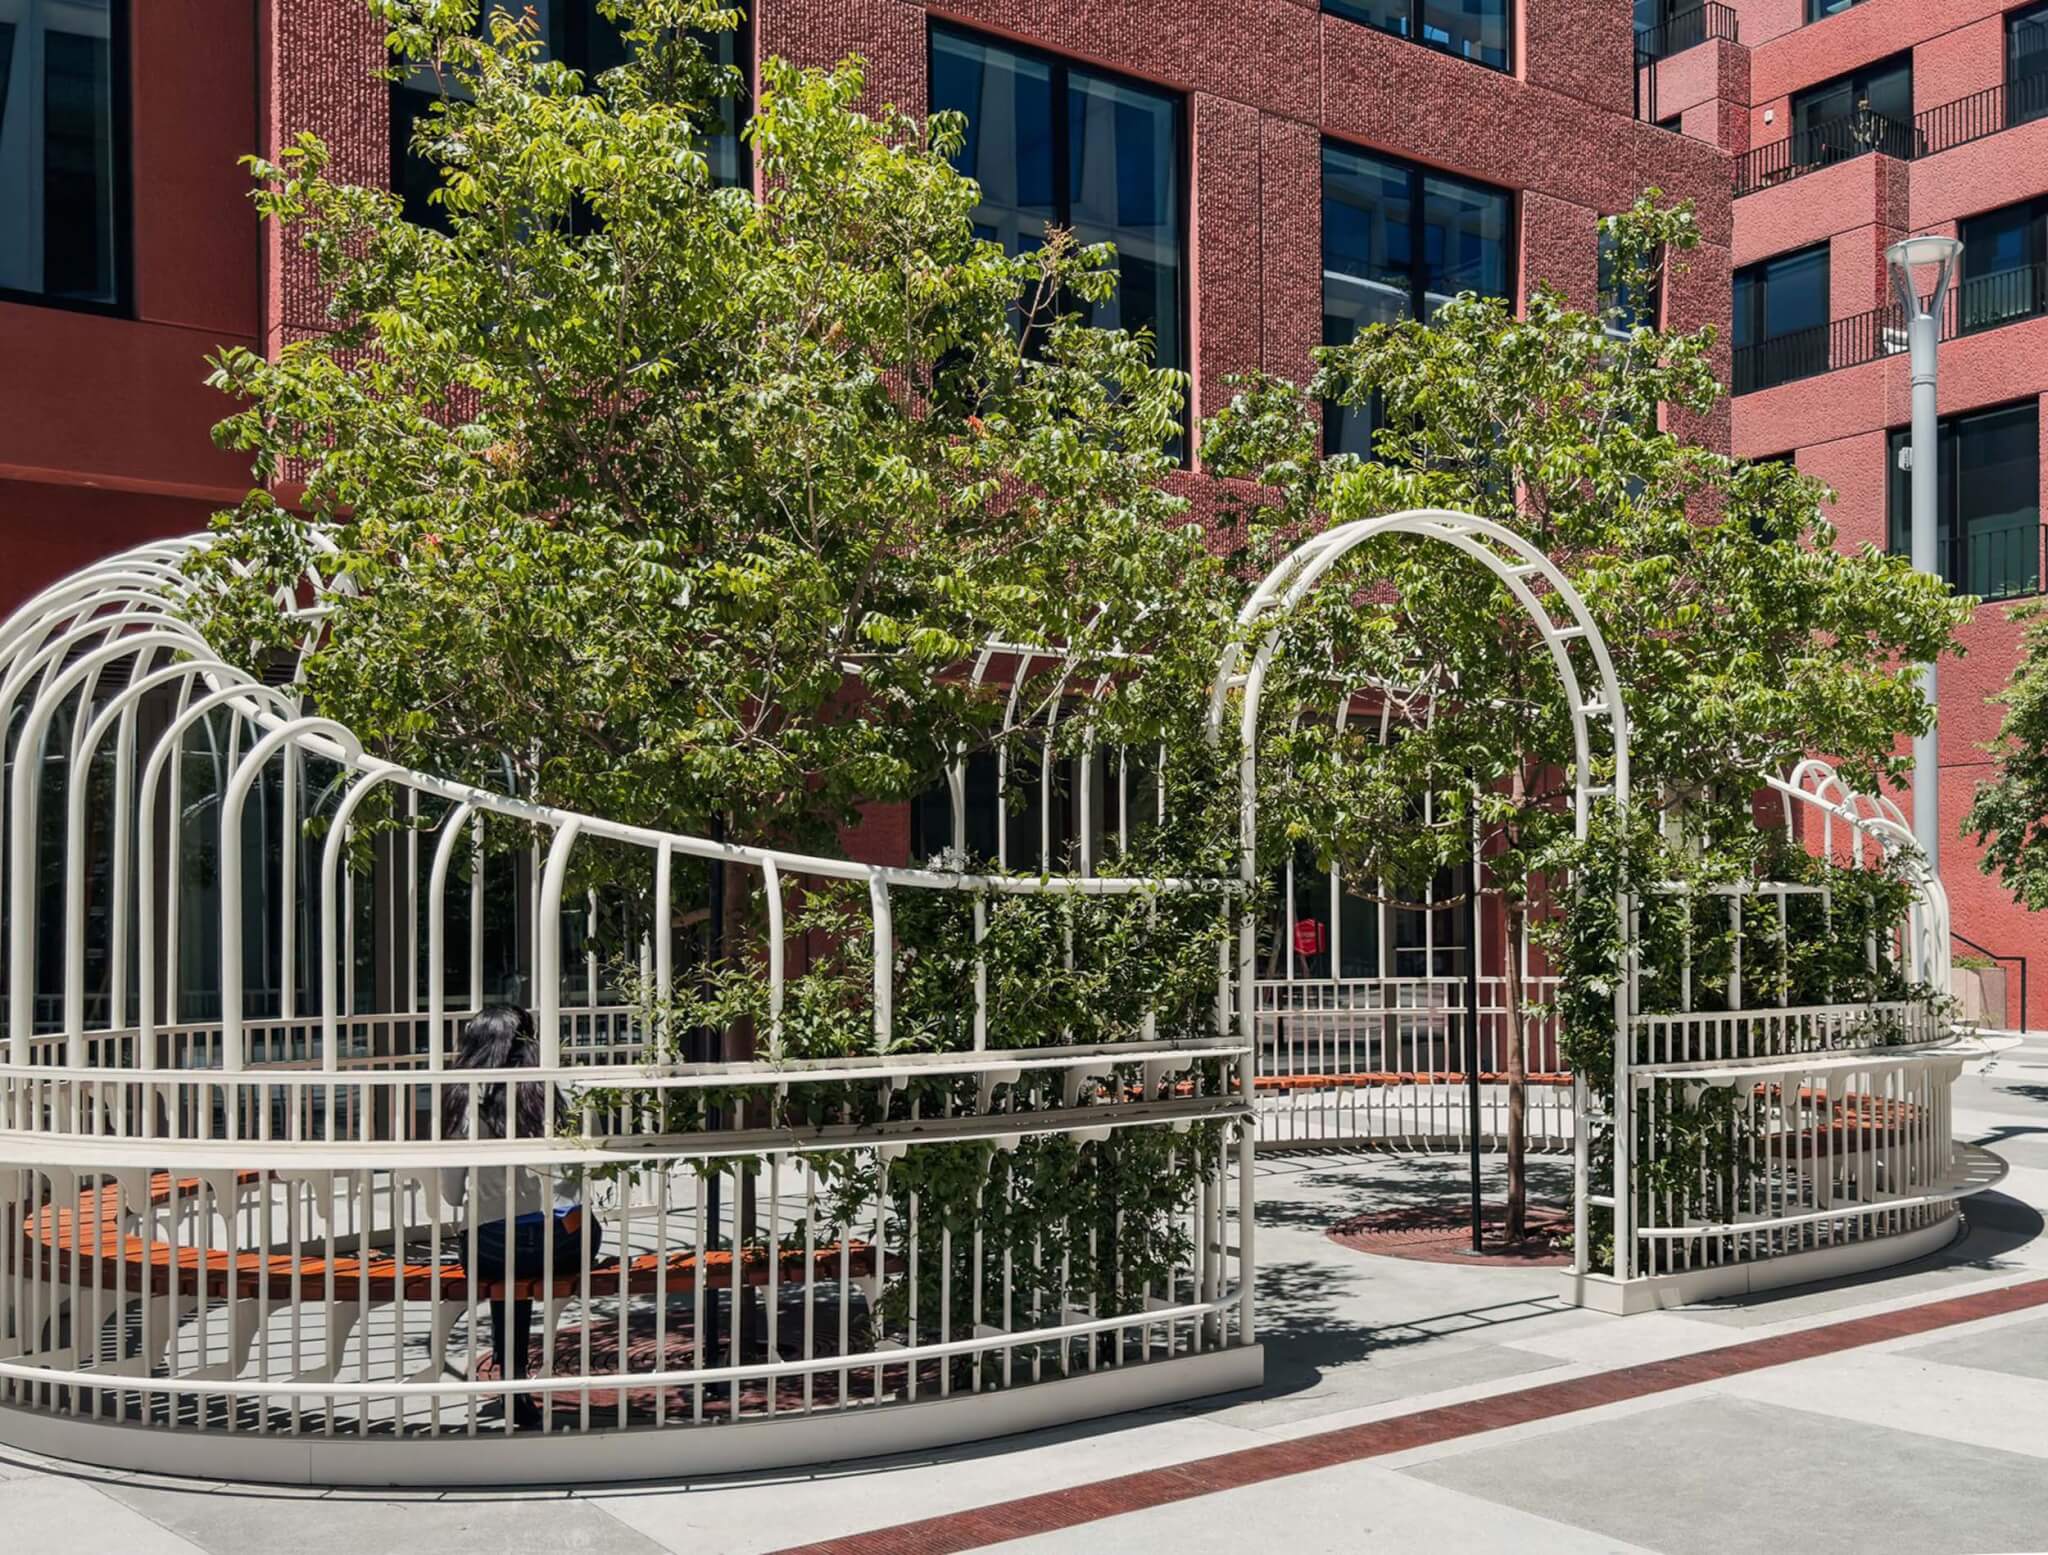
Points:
(233, 1204)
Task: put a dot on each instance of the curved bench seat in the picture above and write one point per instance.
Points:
(1320, 1082)
(106, 1256)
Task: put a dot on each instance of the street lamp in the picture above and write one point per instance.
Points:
(1923, 336)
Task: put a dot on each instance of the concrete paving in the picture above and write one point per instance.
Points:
(1932, 1442)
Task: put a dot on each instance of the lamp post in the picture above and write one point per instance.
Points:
(1923, 337)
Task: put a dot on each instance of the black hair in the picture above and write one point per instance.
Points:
(501, 1036)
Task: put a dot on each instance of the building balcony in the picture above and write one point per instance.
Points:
(2019, 100)
(1975, 305)
(1677, 34)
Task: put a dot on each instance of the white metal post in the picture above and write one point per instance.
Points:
(1923, 339)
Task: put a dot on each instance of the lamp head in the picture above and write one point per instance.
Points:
(1911, 254)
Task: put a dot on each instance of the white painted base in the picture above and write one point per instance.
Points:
(651, 1452)
(1623, 1298)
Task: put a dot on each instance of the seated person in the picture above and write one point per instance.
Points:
(502, 1037)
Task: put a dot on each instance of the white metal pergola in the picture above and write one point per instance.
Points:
(227, 1184)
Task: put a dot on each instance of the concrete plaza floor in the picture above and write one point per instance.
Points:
(1934, 1442)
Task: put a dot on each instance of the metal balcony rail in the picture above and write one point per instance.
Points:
(1980, 303)
(1710, 22)
(2020, 99)
(2017, 100)
(1822, 145)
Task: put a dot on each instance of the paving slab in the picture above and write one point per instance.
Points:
(241, 1521)
(1907, 1390)
(2012, 1350)
(747, 1514)
(53, 1515)
(1719, 1475)
(1330, 1512)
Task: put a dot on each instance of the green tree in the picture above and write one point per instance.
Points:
(681, 504)
(1742, 636)
(2010, 813)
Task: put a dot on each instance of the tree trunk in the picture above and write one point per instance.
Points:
(1518, 1077)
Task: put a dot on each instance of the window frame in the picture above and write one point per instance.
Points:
(121, 134)
(1760, 268)
(2034, 214)
(1058, 66)
(1955, 550)
(564, 26)
(2032, 15)
(1418, 251)
(1414, 34)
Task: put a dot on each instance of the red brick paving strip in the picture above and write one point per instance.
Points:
(1053, 1510)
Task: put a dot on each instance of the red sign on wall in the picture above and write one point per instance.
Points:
(1309, 937)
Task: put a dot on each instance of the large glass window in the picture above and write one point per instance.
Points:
(1988, 521)
(1399, 241)
(2005, 266)
(62, 150)
(1620, 308)
(1053, 144)
(1870, 109)
(2026, 64)
(1478, 30)
(1820, 10)
(579, 35)
(1781, 319)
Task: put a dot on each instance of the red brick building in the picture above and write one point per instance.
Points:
(1273, 171)
(1853, 123)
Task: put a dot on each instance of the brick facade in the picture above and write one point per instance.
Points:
(103, 420)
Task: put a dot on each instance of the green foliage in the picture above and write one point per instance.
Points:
(1742, 638)
(2010, 813)
(675, 504)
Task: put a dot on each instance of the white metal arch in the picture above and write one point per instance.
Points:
(1528, 575)
(1875, 820)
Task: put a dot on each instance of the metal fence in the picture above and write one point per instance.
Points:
(1687, 29)
(316, 1229)
(2020, 99)
(1823, 145)
(1383, 1062)
(1971, 306)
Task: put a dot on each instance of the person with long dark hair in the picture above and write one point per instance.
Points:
(502, 1037)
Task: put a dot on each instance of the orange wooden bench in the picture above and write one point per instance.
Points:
(1322, 1082)
(86, 1239)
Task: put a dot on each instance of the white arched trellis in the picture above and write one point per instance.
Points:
(1561, 619)
(252, 1220)
(1800, 1085)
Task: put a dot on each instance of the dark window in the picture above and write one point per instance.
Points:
(1781, 319)
(1988, 518)
(63, 151)
(1621, 309)
(2005, 266)
(1675, 124)
(579, 35)
(2026, 64)
(1821, 10)
(1053, 144)
(1870, 109)
(1399, 241)
(1478, 30)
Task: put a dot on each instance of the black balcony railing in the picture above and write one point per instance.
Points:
(1822, 145)
(1674, 35)
(1998, 563)
(2018, 101)
(1688, 30)
(1980, 303)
